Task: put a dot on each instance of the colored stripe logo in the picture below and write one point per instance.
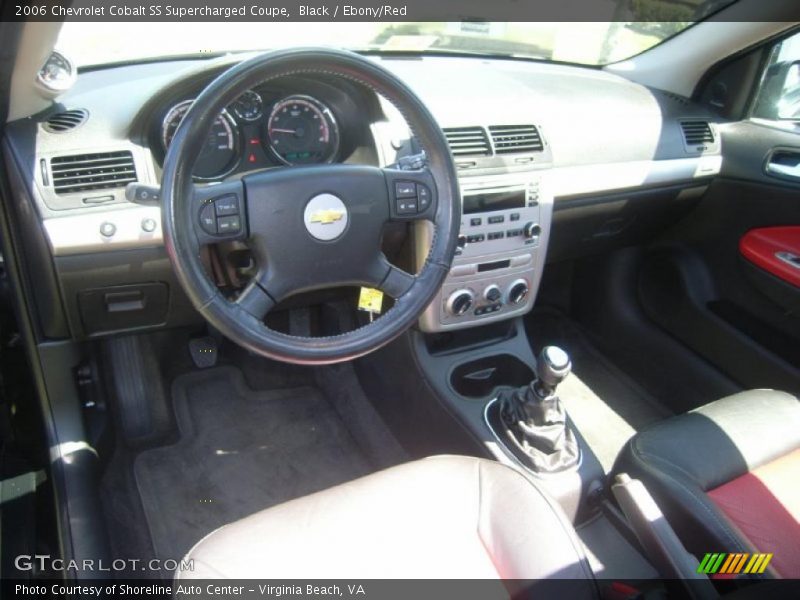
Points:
(721, 563)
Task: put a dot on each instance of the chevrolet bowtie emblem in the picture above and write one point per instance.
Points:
(327, 216)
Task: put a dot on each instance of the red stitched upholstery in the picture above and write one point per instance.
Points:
(765, 505)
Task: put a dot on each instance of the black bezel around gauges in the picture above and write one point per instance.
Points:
(301, 130)
(205, 168)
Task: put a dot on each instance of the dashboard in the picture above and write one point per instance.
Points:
(554, 162)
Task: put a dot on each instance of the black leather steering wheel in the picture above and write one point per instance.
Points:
(309, 227)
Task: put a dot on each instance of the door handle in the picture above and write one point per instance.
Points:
(789, 258)
(784, 164)
(784, 170)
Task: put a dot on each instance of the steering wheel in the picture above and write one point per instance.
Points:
(309, 227)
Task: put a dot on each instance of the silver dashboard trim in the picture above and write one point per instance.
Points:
(80, 234)
(595, 178)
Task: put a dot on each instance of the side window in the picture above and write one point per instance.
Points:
(779, 95)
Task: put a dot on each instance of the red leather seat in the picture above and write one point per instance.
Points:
(727, 476)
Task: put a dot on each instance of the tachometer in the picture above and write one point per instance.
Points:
(220, 152)
(301, 130)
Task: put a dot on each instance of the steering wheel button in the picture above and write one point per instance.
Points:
(230, 224)
(407, 207)
(405, 189)
(208, 220)
(227, 205)
(423, 197)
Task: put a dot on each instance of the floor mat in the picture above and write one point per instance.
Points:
(607, 406)
(240, 451)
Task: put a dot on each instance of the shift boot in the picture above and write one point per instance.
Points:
(535, 420)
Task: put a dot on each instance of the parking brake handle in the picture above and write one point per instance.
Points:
(659, 540)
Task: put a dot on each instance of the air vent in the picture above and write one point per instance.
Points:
(468, 141)
(85, 172)
(697, 133)
(65, 121)
(509, 139)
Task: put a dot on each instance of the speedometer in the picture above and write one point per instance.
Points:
(301, 130)
(220, 151)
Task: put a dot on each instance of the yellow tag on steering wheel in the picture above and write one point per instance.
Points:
(370, 300)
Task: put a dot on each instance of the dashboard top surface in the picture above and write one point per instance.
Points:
(588, 117)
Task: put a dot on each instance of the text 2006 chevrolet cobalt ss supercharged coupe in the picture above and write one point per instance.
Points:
(376, 304)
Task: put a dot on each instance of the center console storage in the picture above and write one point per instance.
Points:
(454, 379)
(481, 378)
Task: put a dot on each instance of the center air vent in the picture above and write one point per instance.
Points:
(85, 172)
(697, 133)
(468, 141)
(515, 138)
(65, 121)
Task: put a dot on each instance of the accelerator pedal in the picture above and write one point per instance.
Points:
(204, 352)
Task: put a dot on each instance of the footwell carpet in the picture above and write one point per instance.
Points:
(239, 451)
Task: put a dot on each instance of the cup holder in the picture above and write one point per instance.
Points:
(480, 378)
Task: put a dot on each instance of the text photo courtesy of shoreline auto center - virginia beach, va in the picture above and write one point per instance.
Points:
(400, 299)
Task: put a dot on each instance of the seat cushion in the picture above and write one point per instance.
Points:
(441, 517)
(765, 507)
(704, 468)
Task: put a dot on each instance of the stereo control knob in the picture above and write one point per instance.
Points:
(531, 230)
(518, 292)
(492, 293)
(460, 302)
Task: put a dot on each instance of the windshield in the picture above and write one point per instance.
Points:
(585, 43)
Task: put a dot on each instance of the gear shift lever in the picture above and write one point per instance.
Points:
(552, 368)
(534, 418)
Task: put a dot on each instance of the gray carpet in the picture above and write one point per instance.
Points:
(240, 451)
(607, 406)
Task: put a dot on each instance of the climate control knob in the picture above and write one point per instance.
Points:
(531, 230)
(460, 302)
(518, 292)
(492, 293)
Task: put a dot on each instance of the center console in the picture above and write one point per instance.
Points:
(505, 228)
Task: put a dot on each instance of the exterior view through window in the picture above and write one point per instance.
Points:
(584, 43)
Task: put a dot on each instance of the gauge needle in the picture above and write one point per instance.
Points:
(279, 130)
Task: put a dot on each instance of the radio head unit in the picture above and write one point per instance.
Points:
(505, 227)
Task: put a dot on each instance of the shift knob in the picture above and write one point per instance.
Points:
(552, 368)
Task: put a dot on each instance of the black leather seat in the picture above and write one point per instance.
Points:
(727, 476)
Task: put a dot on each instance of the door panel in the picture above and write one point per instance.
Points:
(701, 285)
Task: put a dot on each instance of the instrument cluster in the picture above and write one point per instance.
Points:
(262, 128)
